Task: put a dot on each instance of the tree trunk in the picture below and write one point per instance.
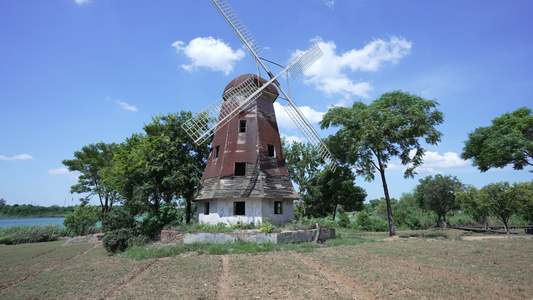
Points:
(392, 230)
(334, 212)
(505, 226)
(318, 232)
(188, 211)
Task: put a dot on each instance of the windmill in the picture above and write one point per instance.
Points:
(246, 179)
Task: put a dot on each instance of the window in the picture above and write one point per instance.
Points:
(242, 126)
(278, 207)
(240, 169)
(271, 151)
(206, 208)
(216, 150)
(239, 208)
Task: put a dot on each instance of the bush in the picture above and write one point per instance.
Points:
(6, 240)
(344, 220)
(118, 218)
(118, 240)
(167, 214)
(368, 223)
(267, 227)
(83, 220)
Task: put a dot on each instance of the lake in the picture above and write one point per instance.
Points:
(32, 221)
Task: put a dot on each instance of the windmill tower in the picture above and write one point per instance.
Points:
(246, 179)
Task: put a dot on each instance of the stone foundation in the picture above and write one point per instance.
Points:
(285, 237)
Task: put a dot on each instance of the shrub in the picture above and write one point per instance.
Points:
(6, 240)
(83, 220)
(344, 220)
(118, 218)
(267, 227)
(368, 223)
(167, 214)
(117, 240)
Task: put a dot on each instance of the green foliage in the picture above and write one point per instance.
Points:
(31, 234)
(33, 211)
(267, 227)
(93, 161)
(117, 240)
(365, 222)
(119, 217)
(502, 201)
(344, 220)
(438, 194)
(509, 140)
(161, 165)
(474, 204)
(167, 214)
(523, 192)
(328, 190)
(370, 135)
(83, 220)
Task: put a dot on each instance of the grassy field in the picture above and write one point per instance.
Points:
(413, 266)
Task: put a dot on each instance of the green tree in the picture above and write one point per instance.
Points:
(438, 194)
(370, 135)
(303, 163)
(160, 166)
(82, 220)
(2, 202)
(509, 140)
(502, 202)
(523, 192)
(474, 204)
(329, 190)
(92, 162)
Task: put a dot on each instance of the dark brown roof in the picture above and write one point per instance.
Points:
(235, 82)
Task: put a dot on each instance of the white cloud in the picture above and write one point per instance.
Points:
(285, 121)
(329, 3)
(63, 171)
(329, 72)
(16, 157)
(433, 162)
(81, 2)
(210, 53)
(292, 138)
(126, 106)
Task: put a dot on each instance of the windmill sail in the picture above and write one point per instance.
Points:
(295, 67)
(238, 27)
(204, 124)
(310, 134)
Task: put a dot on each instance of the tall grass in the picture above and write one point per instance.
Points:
(31, 234)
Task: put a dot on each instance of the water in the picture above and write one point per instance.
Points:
(32, 221)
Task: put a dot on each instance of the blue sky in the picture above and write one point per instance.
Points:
(76, 72)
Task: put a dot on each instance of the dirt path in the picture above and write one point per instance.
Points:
(128, 280)
(47, 269)
(350, 290)
(226, 279)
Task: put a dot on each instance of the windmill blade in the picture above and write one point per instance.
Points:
(310, 133)
(204, 124)
(238, 27)
(303, 61)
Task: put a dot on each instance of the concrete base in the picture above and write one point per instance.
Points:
(285, 237)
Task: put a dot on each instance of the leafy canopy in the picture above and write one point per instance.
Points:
(509, 140)
(370, 135)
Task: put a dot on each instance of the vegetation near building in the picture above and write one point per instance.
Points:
(370, 135)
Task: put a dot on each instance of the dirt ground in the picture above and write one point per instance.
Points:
(398, 268)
